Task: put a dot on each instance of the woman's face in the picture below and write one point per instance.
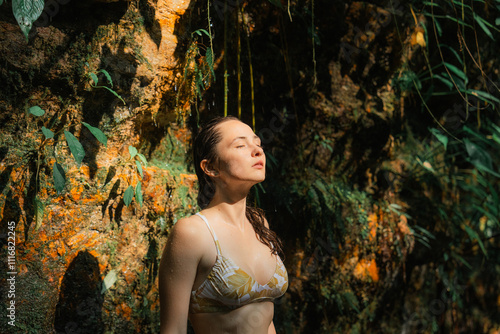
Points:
(240, 155)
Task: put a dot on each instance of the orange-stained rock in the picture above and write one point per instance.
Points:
(61, 249)
(77, 239)
(89, 215)
(372, 226)
(124, 310)
(189, 180)
(129, 276)
(366, 269)
(23, 269)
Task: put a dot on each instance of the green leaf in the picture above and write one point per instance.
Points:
(114, 93)
(396, 208)
(352, 300)
(497, 21)
(497, 128)
(416, 82)
(210, 60)
(37, 111)
(143, 159)
(438, 28)
(1, 2)
(476, 134)
(462, 4)
(109, 280)
(461, 259)
(428, 3)
(26, 13)
(426, 165)
(139, 168)
(452, 50)
(47, 133)
(75, 147)
(491, 216)
(444, 80)
(323, 194)
(477, 154)
(424, 242)
(487, 170)
(423, 231)
(482, 23)
(457, 71)
(480, 158)
(261, 187)
(478, 191)
(108, 77)
(128, 195)
(449, 17)
(442, 138)
(485, 96)
(133, 151)
(426, 33)
(94, 78)
(59, 177)
(496, 136)
(138, 193)
(97, 133)
(474, 236)
(39, 210)
(199, 31)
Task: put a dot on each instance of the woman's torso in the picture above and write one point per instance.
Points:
(212, 309)
(253, 318)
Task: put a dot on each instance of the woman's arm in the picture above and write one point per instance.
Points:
(271, 329)
(178, 267)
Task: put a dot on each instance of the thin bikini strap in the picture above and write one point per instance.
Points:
(212, 232)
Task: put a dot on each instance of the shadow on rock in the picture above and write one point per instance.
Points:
(80, 300)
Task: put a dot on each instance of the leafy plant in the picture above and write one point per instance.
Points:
(455, 172)
(26, 13)
(95, 81)
(198, 71)
(138, 160)
(58, 172)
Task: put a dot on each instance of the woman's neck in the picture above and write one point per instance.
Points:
(231, 209)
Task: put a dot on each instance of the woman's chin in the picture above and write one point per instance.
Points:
(260, 180)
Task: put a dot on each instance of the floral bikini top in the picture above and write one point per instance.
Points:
(228, 287)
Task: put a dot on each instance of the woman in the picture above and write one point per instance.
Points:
(220, 267)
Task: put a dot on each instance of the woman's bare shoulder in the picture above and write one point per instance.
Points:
(188, 232)
(187, 242)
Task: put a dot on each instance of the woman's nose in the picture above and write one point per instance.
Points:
(258, 151)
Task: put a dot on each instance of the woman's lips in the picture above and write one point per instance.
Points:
(259, 164)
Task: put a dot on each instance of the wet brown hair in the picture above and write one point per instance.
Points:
(204, 148)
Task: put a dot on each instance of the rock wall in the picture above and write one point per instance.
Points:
(86, 261)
